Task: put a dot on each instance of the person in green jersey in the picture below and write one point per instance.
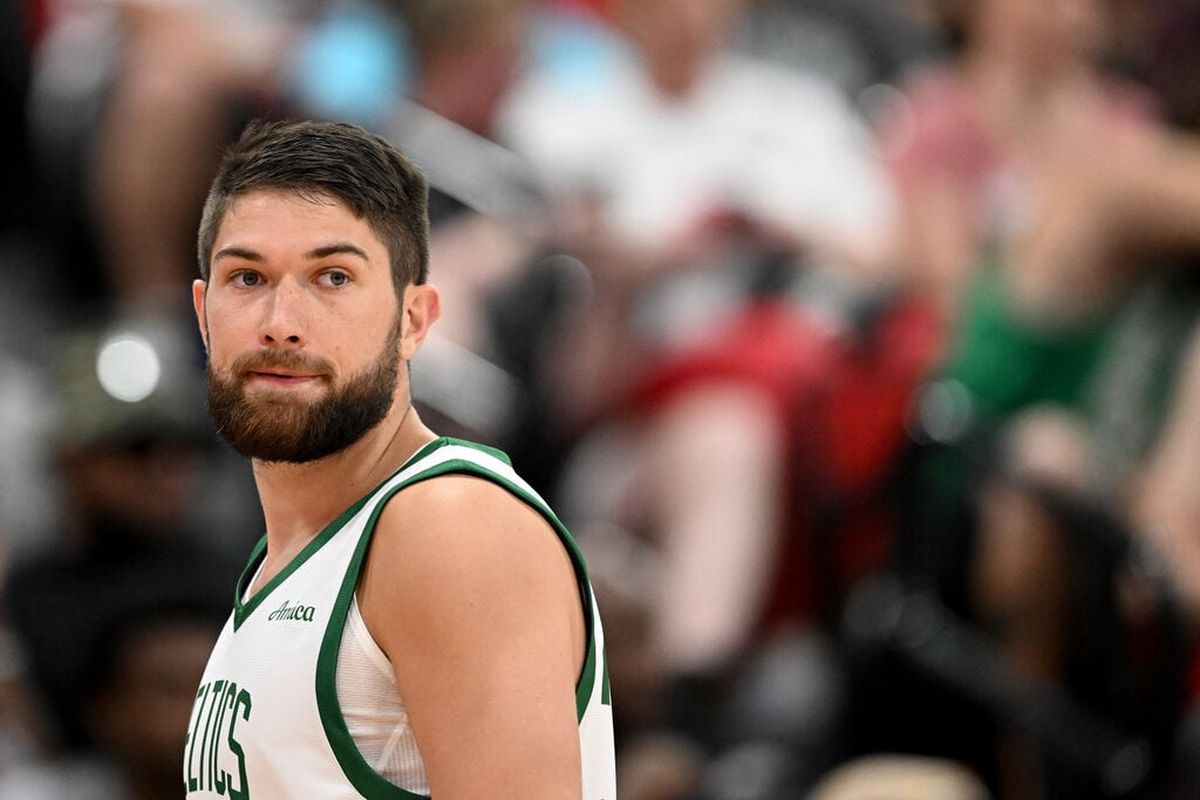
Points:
(313, 300)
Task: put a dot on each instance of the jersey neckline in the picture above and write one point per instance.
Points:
(242, 610)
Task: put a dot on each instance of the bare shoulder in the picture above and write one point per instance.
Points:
(470, 518)
(458, 551)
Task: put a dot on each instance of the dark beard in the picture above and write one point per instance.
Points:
(280, 429)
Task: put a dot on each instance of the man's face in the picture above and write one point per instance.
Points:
(302, 325)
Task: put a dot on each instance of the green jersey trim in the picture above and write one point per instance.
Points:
(242, 611)
(370, 784)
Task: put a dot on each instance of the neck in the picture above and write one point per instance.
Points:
(299, 500)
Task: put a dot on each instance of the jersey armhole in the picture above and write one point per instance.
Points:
(360, 774)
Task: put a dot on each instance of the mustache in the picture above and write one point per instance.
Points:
(286, 360)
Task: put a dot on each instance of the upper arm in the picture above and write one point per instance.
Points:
(474, 600)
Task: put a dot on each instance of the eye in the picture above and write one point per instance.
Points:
(245, 280)
(334, 278)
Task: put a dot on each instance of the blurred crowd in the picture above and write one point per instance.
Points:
(856, 341)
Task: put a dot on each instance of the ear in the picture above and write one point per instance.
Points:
(199, 289)
(422, 307)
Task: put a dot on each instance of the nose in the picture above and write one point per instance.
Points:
(283, 318)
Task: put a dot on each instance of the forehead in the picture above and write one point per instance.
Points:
(279, 220)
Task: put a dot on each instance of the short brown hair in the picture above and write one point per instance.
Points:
(329, 158)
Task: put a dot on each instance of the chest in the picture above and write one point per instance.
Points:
(256, 716)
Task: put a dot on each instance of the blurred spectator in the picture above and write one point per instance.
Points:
(1039, 196)
(138, 686)
(129, 103)
(179, 76)
(698, 184)
(650, 112)
(1024, 155)
(673, 163)
(1034, 191)
(129, 455)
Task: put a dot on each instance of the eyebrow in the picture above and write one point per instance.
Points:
(336, 248)
(233, 251)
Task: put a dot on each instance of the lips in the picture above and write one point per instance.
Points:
(263, 373)
(281, 369)
(286, 378)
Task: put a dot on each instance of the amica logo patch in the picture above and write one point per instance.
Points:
(297, 612)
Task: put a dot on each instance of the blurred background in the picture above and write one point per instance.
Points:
(856, 340)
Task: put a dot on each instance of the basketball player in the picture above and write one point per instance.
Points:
(416, 620)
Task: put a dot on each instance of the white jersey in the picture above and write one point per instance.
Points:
(267, 723)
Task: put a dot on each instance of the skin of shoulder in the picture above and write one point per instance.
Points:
(473, 598)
